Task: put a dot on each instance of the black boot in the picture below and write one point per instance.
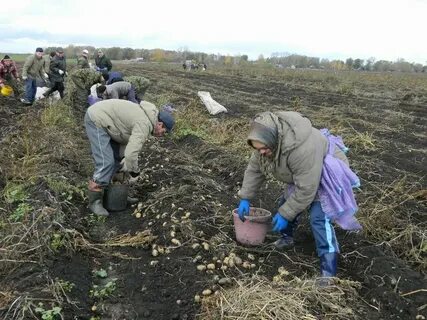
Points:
(95, 203)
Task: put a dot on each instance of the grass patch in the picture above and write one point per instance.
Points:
(385, 220)
(226, 132)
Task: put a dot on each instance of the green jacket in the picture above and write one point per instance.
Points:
(126, 123)
(82, 62)
(103, 62)
(297, 159)
(34, 67)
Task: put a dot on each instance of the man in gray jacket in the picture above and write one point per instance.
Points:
(34, 67)
(111, 126)
(117, 90)
(292, 151)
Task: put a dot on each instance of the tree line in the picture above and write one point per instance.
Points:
(281, 60)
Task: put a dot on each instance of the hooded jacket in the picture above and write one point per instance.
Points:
(298, 153)
(127, 123)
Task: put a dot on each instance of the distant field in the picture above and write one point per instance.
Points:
(20, 57)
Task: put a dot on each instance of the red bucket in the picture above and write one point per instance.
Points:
(253, 230)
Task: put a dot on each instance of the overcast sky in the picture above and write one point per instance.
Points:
(384, 29)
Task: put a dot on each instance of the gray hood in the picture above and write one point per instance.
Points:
(281, 131)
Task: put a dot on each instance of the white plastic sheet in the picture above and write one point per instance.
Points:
(40, 90)
(212, 106)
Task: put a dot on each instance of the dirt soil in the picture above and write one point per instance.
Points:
(188, 188)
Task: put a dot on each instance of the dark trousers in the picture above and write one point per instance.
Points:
(59, 85)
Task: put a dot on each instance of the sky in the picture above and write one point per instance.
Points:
(333, 29)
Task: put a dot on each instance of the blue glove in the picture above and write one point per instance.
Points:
(243, 209)
(279, 223)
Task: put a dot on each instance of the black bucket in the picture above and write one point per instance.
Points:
(115, 197)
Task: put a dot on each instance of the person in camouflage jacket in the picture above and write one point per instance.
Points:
(78, 87)
(83, 60)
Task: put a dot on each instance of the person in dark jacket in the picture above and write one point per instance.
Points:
(58, 69)
(103, 64)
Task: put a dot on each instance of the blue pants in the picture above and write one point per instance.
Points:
(30, 89)
(105, 152)
(323, 230)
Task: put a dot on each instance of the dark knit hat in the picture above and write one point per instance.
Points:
(39, 49)
(167, 120)
(6, 57)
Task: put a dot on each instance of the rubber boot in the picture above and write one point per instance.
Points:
(95, 195)
(328, 269)
(95, 203)
(284, 242)
(132, 200)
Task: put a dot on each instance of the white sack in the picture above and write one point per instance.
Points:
(212, 106)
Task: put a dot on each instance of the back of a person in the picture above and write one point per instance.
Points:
(115, 112)
(121, 87)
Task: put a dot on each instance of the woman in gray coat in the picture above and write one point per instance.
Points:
(292, 151)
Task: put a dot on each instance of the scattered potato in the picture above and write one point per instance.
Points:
(207, 292)
(201, 267)
(211, 266)
(176, 241)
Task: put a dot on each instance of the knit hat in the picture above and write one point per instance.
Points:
(39, 49)
(85, 51)
(6, 57)
(167, 120)
(60, 50)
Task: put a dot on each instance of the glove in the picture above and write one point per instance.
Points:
(46, 76)
(98, 69)
(279, 223)
(133, 177)
(243, 209)
(24, 77)
(123, 167)
(61, 72)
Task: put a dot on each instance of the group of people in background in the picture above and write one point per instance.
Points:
(42, 70)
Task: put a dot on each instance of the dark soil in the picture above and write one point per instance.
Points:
(188, 175)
